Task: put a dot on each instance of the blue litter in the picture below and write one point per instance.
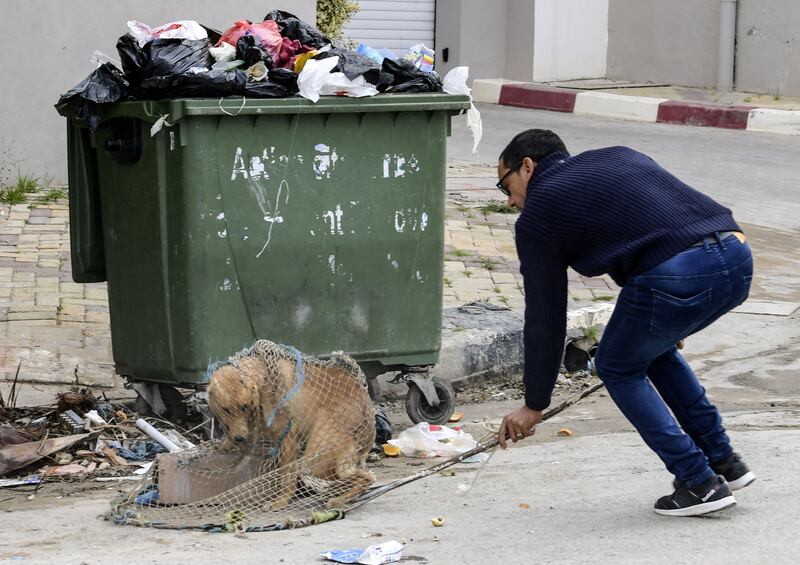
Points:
(150, 496)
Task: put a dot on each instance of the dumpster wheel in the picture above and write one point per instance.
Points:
(420, 410)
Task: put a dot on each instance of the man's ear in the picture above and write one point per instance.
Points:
(528, 165)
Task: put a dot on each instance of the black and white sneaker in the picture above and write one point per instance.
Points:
(735, 471)
(711, 496)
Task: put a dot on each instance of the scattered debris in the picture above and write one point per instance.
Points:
(524, 505)
(80, 401)
(390, 450)
(30, 480)
(429, 440)
(563, 432)
(74, 423)
(387, 552)
(456, 417)
(168, 444)
(93, 419)
(53, 437)
(70, 469)
(15, 457)
(437, 522)
(10, 436)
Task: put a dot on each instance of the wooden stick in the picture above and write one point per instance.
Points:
(382, 489)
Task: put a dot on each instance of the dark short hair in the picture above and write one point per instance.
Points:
(533, 143)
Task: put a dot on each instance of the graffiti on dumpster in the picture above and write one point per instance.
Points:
(410, 219)
(271, 212)
(396, 165)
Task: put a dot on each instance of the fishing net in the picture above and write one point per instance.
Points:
(297, 434)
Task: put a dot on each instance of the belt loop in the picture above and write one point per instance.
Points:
(719, 240)
(706, 245)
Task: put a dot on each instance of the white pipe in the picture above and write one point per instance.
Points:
(727, 45)
(157, 436)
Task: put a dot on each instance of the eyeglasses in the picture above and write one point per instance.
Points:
(500, 186)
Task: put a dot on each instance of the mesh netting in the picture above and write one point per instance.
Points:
(297, 434)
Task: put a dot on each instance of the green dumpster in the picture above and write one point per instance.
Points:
(316, 225)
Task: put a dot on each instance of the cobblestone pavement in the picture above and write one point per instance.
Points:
(55, 331)
(480, 255)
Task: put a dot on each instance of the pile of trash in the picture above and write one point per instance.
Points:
(80, 437)
(276, 58)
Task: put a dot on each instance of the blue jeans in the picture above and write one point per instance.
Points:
(643, 370)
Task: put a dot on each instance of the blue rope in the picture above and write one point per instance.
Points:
(273, 452)
(299, 378)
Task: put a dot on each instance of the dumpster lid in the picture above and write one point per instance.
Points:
(152, 110)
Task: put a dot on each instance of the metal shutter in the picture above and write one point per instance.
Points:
(393, 24)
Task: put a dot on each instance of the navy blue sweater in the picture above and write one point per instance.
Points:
(611, 210)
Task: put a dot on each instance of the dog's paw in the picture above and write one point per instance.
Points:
(279, 505)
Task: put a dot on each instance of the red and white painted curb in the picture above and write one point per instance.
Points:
(636, 108)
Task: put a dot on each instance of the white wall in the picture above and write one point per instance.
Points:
(47, 46)
(571, 39)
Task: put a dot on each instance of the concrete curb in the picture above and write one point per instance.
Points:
(636, 108)
(482, 342)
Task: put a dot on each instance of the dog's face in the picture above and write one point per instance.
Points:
(233, 398)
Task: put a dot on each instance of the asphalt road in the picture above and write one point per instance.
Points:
(755, 174)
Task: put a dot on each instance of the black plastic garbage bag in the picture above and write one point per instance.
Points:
(408, 78)
(383, 428)
(195, 85)
(385, 81)
(103, 86)
(280, 83)
(250, 50)
(162, 57)
(353, 65)
(294, 28)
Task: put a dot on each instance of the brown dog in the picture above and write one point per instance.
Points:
(323, 427)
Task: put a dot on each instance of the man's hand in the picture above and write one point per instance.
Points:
(519, 424)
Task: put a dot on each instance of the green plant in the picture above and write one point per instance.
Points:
(747, 99)
(461, 253)
(503, 299)
(458, 329)
(448, 281)
(603, 298)
(467, 273)
(12, 196)
(497, 207)
(497, 289)
(488, 264)
(333, 15)
(54, 194)
(593, 333)
(27, 184)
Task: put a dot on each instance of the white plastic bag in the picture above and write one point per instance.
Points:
(340, 85)
(455, 82)
(317, 79)
(424, 440)
(387, 552)
(314, 75)
(224, 53)
(183, 29)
